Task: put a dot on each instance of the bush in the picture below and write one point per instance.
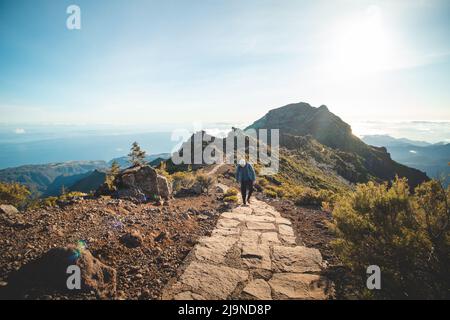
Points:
(406, 235)
(48, 202)
(270, 193)
(182, 180)
(71, 195)
(231, 192)
(204, 181)
(14, 194)
(262, 182)
(230, 199)
(311, 197)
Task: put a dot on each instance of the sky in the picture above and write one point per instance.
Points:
(137, 62)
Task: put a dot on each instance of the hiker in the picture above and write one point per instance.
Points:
(245, 175)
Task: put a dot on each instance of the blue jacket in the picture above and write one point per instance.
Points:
(245, 173)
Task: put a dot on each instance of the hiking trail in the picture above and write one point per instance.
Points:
(251, 254)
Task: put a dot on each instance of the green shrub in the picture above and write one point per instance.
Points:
(231, 192)
(48, 202)
(182, 180)
(406, 235)
(270, 193)
(71, 195)
(262, 182)
(230, 198)
(14, 194)
(311, 197)
(205, 181)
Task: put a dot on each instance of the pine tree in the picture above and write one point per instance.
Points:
(114, 169)
(136, 155)
(112, 173)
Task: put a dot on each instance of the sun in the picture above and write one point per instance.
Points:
(361, 45)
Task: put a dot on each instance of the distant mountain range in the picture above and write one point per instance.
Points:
(46, 180)
(153, 159)
(431, 158)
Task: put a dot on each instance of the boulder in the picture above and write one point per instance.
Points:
(300, 286)
(10, 216)
(141, 183)
(49, 273)
(163, 187)
(9, 210)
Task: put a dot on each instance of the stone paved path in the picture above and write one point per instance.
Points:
(251, 254)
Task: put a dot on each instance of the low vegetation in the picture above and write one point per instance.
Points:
(231, 195)
(204, 181)
(406, 234)
(14, 194)
(182, 180)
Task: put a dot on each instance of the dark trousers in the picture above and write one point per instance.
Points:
(246, 187)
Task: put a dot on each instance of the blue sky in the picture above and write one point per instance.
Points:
(148, 62)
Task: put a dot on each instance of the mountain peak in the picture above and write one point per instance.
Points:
(301, 119)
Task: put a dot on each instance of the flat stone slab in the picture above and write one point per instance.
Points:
(227, 223)
(226, 232)
(258, 289)
(214, 248)
(281, 220)
(243, 210)
(270, 238)
(236, 216)
(210, 281)
(188, 295)
(286, 230)
(250, 236)
(256, 255)
(299, 286)
(288, 239)
(296, 259)
(260, 226)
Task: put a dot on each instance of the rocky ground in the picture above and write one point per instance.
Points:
(161, 237)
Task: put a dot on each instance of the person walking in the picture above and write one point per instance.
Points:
(246, 176)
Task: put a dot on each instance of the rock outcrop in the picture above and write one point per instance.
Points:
(141, 183)
(12, 217)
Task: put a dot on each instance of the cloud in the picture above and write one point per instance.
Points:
(19, 131)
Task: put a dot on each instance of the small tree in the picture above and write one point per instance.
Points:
(136, 155)
(112, 173)
(114, 169)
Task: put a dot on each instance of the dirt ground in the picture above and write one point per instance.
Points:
(169, 232)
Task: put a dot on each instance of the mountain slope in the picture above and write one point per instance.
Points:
(301, 119)
(89, 183)
(39, 177)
